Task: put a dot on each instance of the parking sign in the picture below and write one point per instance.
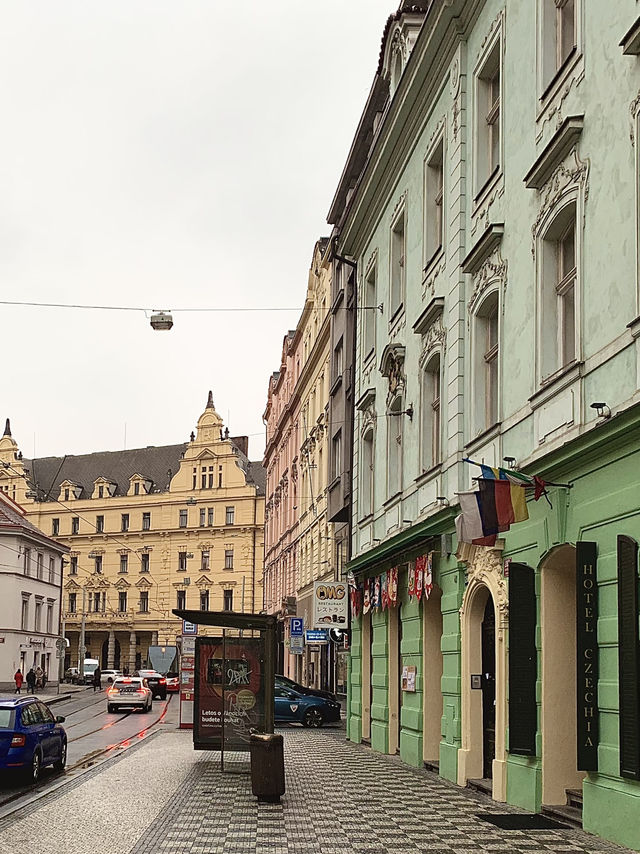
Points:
(297, 627)
(189, 628)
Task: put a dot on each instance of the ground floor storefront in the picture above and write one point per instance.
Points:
(519, 674)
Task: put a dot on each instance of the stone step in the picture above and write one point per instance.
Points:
(574, 798)
(563, 813)
(432, 765)
(484, 785)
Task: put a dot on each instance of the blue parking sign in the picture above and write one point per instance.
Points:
(297, 627)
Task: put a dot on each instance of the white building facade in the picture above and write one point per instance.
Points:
(30, 596)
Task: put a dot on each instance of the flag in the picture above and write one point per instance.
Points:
(392, 586)
(490, 511)
(517, 477)
(376, 601)
(420, 565)
(384, 592)
(428, 576)
(411, 582)
(366, 599)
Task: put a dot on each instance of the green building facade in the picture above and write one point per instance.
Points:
(491, 202)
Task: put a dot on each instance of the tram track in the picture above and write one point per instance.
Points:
(56, 780)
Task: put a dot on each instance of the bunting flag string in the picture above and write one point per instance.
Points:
(428, 576)
(392, 587)
(366, 599)
(419, 574)
(384, 594)
(411, 585)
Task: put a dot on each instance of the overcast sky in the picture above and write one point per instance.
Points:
(164, 154)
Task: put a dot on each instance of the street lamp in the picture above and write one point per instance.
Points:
(161, 321)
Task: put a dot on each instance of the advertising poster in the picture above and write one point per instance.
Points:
(330, 603)
(229, 681)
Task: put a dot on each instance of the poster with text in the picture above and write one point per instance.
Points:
(229, 681)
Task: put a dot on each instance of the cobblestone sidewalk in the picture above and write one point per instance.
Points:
(341, 798)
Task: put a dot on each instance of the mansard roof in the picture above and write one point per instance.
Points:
(158, 464)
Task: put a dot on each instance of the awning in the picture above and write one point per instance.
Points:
(403, 546)
(228, 619)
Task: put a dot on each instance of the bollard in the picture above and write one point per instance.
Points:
(267, 766)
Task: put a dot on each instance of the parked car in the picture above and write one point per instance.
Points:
(107, 676)
(285, 682)
(155, 681)
(305, 709)
(71, 675)
(129, 691)
(173, 681)
(30, 738)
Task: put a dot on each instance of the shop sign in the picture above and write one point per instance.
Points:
(189, 628)
(330, 603)
(587, 655)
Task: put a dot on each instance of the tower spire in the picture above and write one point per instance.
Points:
(7, 428)
(210, 401)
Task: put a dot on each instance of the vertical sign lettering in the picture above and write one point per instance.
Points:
(587, 655)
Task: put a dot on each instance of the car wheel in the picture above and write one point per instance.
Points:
(313, 717)
(59, 765)
(32, 773)
(110, 708)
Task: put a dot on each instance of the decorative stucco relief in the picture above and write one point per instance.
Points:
(494, 269)
(634, 108)
(553, 109)
(480, 218)
(434, 273)
(493, 29)
(434, 338)
(572, 175)
(484, 568)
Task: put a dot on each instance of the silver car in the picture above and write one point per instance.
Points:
(131, 692)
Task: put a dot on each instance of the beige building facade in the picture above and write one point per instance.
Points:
(148, 530)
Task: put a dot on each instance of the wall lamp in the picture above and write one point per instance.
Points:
(191, 500)
(442, 500)
(601, 409)
(408, 411)
(511, 462)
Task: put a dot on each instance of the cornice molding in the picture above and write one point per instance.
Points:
(554, 152)
(487, 243)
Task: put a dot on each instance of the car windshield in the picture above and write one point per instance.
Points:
(6, 718)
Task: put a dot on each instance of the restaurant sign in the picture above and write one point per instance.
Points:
(330, 603)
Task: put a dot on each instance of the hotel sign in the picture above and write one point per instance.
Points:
(587, 655)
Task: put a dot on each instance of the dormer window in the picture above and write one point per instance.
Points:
(103, 488)
(139, 485)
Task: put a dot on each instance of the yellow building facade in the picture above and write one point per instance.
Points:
(149, 530)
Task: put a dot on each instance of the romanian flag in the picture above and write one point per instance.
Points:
(490, 511)
(515, 477)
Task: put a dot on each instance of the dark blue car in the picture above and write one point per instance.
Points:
(305, 709)
(30, 738)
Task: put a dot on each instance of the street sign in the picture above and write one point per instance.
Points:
(296, 628)
(61, 645)
(189, 628)
(296, 645)
(316, 636)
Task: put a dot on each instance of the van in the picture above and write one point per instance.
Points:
(90, 665)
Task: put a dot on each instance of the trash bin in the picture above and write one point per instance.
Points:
(267, 766)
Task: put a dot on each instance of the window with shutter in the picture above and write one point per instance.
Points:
(523, 669)
(628, 658)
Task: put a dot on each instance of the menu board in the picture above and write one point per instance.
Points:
(229, 681)
(187, 668)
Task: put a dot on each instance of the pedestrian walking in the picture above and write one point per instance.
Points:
(96, 678)
(19, 679)
(31, 681)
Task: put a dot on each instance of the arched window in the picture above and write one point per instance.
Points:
(431, 424)
(486, 364)
(558, 288)
(366, 473)
(394, 446)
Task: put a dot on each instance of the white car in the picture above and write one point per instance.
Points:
(108, 676)
(129, 691)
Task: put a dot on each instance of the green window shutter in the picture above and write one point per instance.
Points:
(628, 658)
(523, 669)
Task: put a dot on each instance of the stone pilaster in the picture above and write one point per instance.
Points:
(111, 649)
(132, 652)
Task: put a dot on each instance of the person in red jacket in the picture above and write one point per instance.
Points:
(19, 679)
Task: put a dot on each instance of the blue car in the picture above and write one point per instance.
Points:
(305, 709)
(30, 738)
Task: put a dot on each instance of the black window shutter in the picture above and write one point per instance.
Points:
(628, 658)
(523, 670)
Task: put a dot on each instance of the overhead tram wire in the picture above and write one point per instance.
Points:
(145, 310)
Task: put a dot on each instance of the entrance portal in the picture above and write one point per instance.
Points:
(488, 689)
(558, 713)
